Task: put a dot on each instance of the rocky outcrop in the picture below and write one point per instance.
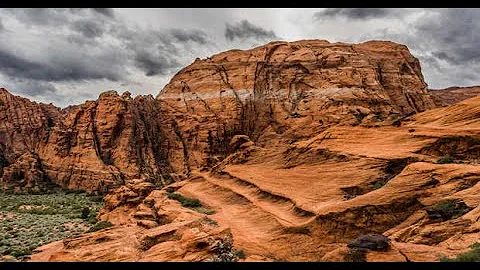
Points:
(95, 146)
(452, 95)
(286, 91)
(24, 124)
(289, 70)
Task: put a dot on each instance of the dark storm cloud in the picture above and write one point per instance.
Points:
(158, 52)
(154, 52)
(34, 88)
(194, 35)
(1, 25)
(88, 28)
(154, 64)
(58, 68)
(246, 30)
(353, 13)
(453, 35)
(105, 11)
(446, 43)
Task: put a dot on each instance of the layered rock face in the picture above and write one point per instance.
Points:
(288, 71)
(285, 91)
(452, 95)
(24, 126)
(94, 146)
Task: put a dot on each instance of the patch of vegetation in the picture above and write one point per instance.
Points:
(448, 209)
(380, 183)
(3, 161)
(30, 221)
(224, 251)
(470, 256)
(85, 213)
(100, 225)
(445, 160)
(185, 201)
(192, 203)
(74, 191)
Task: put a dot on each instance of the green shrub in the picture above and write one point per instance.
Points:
(185, 201)
(448, 209)
(445, 160)
(19, 252)
(74, 191)
(379, 184)
(85, 213)
(223, 250)
(100, 225)
(470, 256)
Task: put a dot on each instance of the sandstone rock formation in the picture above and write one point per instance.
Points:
(452, 95)
(95, 146)
(289, 146)
(280, 92)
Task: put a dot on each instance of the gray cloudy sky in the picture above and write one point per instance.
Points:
(66, 56)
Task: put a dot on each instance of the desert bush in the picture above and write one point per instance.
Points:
(445, 160)
(379, 184)
(85, 213)
(100, 225)
(448, 209)
(224, 251)
(185, 201)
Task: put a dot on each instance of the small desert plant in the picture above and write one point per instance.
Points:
(85, 213)
(380, 183)
(185, 201)
(445, 160)
(100, 225)
(224, 251)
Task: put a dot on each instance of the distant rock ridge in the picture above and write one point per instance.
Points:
(454, 94)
